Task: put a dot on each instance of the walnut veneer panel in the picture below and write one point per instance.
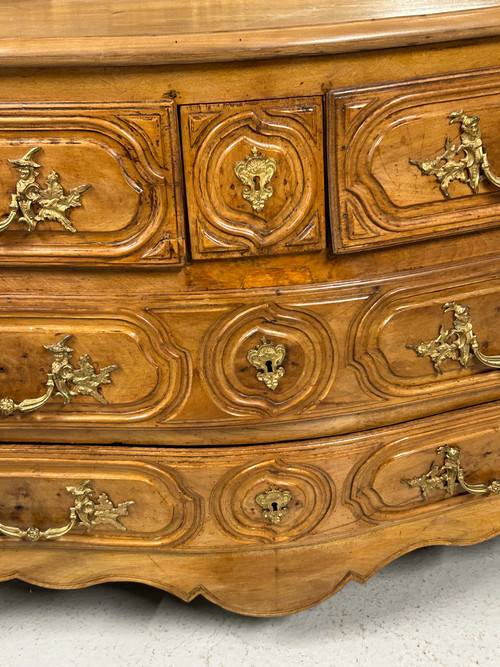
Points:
(128, 154)
(196, 526)
(378, 197)
(225, 219)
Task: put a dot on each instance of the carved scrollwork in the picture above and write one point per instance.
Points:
(272, 501)
(280, 207)
(228, 366)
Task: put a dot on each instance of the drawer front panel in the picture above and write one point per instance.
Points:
(247, 368)
(379, 135)
(254, 177)
(127, 155)
(408, 342)
(419, 476)
(246, 497)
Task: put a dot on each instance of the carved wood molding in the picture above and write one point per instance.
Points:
(129, 155)
(378, 197)
(217, 138)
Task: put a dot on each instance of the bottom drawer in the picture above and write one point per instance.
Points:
(262, 530)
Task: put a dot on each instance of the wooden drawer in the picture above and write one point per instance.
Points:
(377, 137)
(126, 155)
(247, 367)
(226, 522)
(254, 177)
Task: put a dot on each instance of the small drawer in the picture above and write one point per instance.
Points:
(414, 161)
(90, 184)
(254, 177)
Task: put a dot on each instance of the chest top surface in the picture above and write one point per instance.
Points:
(104, 32)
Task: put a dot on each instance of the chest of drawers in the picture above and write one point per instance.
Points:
(250, 293)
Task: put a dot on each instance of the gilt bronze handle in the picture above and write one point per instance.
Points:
(65, 380)
(450, 475)
(85, 512)
(472, 168)
(459, 343)
(31, 204)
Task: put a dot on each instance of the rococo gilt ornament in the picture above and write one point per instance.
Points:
(31, 204)
(255, 172)
(274, 503)
(459, 343)
(64, 380)
(85, 512)
(267, 359)
(472, 168)
(448, 476)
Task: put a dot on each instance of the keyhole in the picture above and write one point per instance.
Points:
(274, 507)
(269, 366)
(256, 180)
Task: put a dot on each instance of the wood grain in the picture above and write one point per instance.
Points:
(189, 433)
(184, 375)
(124, 33)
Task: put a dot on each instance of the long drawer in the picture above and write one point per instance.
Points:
(226, 522)
(247, 367)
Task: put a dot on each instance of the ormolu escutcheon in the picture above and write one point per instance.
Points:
(274, 503)
(267, 359)
(255, 172)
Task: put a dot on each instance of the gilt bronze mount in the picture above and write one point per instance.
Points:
(471, 169)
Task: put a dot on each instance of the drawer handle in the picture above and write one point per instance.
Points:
(274, 503)
(85, 380)
(255, 172)
(458, 344)
(84, 512)
(471, 168)
(51, 204)
(447, 476)
(267, 359)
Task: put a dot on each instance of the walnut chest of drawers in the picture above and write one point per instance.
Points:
(250, 293)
